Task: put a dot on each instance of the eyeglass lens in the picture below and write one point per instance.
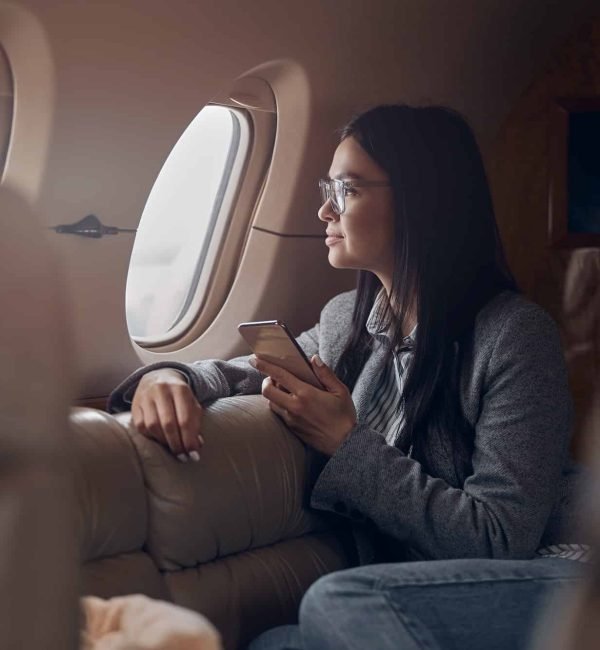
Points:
(334, 191)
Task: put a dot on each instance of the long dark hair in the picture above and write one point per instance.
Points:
(448, 254)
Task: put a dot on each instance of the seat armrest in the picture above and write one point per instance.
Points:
(250, 488)
(109, 488)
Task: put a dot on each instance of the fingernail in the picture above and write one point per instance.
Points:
(201, 439)
(252, 361)
(318, 361)
(182, 458)
(195, 456)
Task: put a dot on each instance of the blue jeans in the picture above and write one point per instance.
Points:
(472, 604)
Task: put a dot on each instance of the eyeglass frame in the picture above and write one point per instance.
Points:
(327, 193)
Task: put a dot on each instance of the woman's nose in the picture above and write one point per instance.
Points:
(326, 212)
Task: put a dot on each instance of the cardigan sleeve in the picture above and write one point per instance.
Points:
(520, 447)
(210, 379)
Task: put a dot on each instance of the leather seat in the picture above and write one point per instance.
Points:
(229, 537)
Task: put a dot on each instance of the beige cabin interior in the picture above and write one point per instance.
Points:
(100, 92)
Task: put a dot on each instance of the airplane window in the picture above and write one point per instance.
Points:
(191, 195)
(6, 106)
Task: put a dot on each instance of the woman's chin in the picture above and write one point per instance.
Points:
(339, 261)
(334, 259)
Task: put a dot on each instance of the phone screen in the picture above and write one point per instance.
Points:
(273, 342)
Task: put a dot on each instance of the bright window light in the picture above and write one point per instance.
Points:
(178, 222)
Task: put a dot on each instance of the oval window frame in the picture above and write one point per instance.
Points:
(231, 230)
(7, 103)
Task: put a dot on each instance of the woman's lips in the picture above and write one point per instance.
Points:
(331, 240)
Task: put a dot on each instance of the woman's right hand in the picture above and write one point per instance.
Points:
(165, 409)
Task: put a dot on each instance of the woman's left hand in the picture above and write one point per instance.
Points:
(320, 418)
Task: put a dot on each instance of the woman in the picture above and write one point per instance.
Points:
(444, 425)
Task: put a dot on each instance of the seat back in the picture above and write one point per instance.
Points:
(38, 542)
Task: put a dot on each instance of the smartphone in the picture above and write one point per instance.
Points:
(272, 341)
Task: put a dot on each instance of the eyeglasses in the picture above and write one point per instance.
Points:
(335, 190)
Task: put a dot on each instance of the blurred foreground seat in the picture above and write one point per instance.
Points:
(572, 622)
(38, 546)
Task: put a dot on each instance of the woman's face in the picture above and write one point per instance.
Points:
(362, 237)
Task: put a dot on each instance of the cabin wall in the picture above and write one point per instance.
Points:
(566, 282)
(105, 89)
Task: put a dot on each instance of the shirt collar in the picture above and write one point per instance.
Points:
(376, 325)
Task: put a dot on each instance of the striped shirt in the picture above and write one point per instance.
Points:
(386, 411)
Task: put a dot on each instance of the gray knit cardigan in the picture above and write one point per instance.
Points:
(512, 490)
